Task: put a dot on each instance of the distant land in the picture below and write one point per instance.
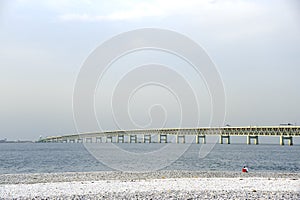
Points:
(16, 141)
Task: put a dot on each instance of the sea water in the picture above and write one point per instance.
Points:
(74, 157)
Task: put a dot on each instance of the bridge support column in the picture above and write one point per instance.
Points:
(120, 138)
(203, 137)
(255, 137)
(133, 138)
(98, 139)
(109, 138)
(162, 138)
(147, 138)
(289, 138)
(88, 140)
(224, 137)
(72, 140)
(178, 138)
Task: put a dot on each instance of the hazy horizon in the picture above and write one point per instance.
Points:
(255, 46)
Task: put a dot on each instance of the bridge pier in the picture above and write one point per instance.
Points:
(289, 138)
(98, 139)
(133, 138)
(54, 140)
(147, 138)
(88, 140)
(203, 137)
(163, 138)
(109, 137)
(72, 140)
(178, 137)
(120, 138)
(255, 137)
(222, 137)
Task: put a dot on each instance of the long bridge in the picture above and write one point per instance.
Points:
(285, 133)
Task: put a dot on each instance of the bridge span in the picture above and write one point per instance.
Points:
(285, 133)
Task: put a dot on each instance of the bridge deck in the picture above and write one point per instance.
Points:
(231, 131)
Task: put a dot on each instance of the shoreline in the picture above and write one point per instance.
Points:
(155, 185)
(32, 178)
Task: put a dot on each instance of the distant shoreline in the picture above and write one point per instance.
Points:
(18, 141)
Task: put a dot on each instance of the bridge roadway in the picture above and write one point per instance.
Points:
(285, 133)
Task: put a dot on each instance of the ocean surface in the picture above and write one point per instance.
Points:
(74, 157)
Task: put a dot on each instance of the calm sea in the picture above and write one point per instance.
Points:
(58, 157)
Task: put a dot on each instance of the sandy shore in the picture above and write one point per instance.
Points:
(151, 185)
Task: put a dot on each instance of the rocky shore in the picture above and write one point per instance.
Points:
(151, 185)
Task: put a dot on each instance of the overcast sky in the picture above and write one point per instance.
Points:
(43, 44)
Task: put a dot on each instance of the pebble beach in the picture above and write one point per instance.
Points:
(151, 185)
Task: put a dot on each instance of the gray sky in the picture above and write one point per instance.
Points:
(254, 44)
